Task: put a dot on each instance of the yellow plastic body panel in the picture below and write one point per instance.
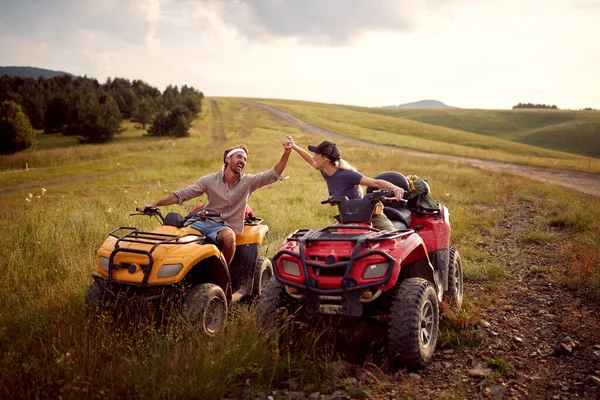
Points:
(252, 234)
(187, 254)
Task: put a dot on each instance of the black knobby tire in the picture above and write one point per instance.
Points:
(206, 306)
(96, 298)
(413, 324)
(263, 272)
(454, 295)
(275, 307)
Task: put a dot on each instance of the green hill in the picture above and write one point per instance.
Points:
(575, 132)
(31, 72)
(397, 129)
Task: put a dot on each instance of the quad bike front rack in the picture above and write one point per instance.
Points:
(140, 237)
(306, 237)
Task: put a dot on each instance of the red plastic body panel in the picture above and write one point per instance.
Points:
(435, 230)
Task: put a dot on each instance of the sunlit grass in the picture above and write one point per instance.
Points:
(47, 256)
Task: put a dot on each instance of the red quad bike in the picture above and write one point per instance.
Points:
(354, 270)
(176, 264)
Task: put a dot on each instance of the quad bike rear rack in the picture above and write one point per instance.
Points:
(140, 237)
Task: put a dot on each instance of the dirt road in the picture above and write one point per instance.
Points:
(581, 181)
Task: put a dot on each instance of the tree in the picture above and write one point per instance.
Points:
(171, 123)
(143, 112)
(531, 105)
(16, 132)
(56, 115)
(101, 122)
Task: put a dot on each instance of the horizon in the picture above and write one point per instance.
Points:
(465, 54)
(446, 106)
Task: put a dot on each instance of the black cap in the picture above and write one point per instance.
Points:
(327, 149)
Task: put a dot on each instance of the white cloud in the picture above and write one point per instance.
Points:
(489, 54)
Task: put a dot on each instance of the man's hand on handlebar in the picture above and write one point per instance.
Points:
(146, 208)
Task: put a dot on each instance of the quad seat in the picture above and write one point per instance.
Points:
(397, 211)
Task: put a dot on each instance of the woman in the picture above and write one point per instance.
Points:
(344, 180)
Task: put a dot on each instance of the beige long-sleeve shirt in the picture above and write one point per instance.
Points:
(229, 202)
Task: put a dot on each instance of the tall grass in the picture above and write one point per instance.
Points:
(48, 348)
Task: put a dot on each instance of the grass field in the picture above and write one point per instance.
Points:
(447, 132)
(563, 130)
(59, 210)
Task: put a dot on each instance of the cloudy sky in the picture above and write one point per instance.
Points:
(466, 53)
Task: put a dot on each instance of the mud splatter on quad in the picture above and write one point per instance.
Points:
(176, 261)
(352, 269)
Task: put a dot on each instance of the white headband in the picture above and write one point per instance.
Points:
(232, 152)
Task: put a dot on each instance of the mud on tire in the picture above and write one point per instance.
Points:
(206, 306)
(275, 308)
(96, 298)
(413, 323)
(263, 271)
(454, 295)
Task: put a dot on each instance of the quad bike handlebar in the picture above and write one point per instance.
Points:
(150, 211)
(153, 211)
(375, 196)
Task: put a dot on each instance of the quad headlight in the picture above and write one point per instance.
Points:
(169, 270)
(290, 268)
(103, 263)
(375, 271)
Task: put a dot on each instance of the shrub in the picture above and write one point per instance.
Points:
(16, 132)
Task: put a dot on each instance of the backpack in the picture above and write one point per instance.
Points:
(419, 193)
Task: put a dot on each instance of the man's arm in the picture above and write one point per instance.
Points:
(288, 144)
(280, 166)
(171, 198)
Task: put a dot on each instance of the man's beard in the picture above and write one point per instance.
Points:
(234, 168)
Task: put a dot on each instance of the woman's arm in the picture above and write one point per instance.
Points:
(303, 153)
(383, 184)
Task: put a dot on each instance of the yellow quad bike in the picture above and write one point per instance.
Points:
(174, 261)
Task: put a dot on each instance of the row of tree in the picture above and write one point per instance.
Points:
(93, 112)
(531, 105)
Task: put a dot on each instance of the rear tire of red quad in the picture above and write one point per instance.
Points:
(206, 306)
(263, 272)
(454, 295)
(413, 324)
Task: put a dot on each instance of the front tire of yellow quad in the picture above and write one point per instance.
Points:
(206, 306)
(96, 298)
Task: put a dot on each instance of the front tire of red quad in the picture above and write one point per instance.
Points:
(206, 306)
(455, 280)
(413, 325)
(275, 307)
(263, 272)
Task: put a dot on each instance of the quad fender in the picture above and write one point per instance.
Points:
(252, 234)
(211, 270)
(242, 265)
(415, 262)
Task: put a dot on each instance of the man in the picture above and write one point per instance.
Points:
(228, 191)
